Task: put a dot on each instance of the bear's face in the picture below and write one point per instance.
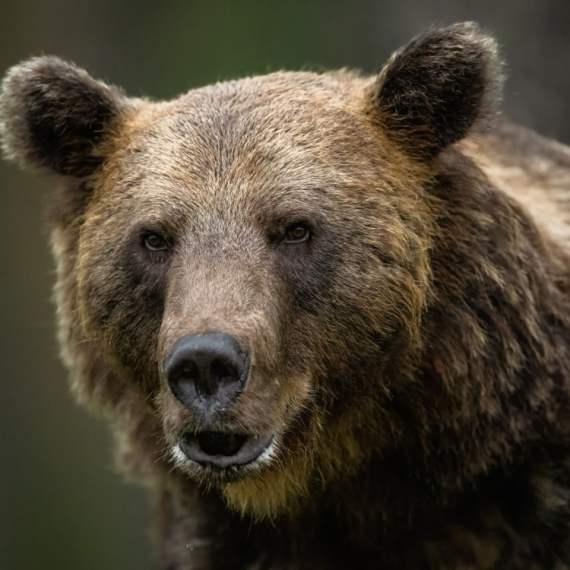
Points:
(209, 216)
(246, 261)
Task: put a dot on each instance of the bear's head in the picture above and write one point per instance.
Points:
(242, 271)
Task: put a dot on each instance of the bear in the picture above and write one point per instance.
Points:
(328, 314)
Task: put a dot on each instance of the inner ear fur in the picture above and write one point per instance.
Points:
(55, 115)
(439, 86)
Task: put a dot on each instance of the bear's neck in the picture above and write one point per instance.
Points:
(494, 369)
(487, 391)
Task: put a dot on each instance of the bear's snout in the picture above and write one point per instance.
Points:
(206, 372)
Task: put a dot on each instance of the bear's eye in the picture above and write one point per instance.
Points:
(154, 242)
(297, 233)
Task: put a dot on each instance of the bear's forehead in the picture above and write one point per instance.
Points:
(276, 106)
(284, 129)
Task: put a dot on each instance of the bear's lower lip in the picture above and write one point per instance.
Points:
(223, 450)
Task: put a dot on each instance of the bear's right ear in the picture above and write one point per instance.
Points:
(438, 87)
(55, 115)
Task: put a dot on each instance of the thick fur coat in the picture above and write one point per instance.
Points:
(387, 267)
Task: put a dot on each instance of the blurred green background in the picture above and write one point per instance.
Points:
(62, 505)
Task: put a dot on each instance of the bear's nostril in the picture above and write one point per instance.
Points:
(212, 376)
(222, 370)
(190, 372)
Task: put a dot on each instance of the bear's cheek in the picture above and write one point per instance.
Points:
(345, 302)
(121, 304)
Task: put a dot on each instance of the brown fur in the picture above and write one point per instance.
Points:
(411, 358)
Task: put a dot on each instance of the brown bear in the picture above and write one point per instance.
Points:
(329, 314)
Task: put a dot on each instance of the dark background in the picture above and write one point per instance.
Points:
(62, 505)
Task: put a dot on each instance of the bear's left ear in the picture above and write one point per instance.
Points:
(435, 89)
(55, 115)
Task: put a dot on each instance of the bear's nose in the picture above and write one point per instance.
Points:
(206, 371)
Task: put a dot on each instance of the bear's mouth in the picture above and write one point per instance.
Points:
(224, 450)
